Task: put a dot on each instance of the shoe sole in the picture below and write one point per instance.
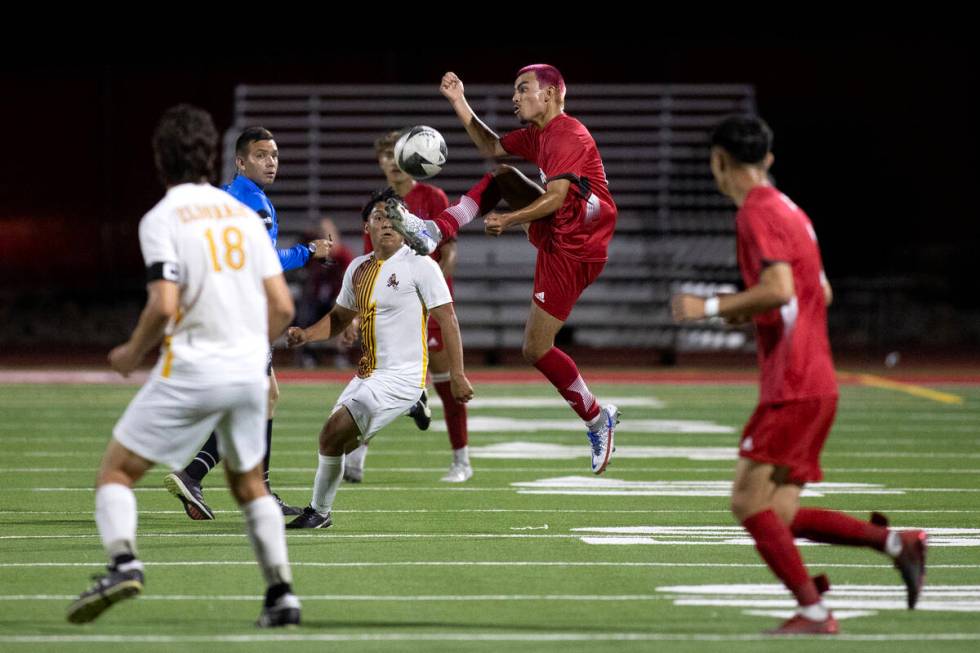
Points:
(89, 608)
(326, 524)
(194, 510)
(611, 444)
(284, 619)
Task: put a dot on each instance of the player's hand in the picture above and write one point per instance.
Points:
(348, 336)
(495, 223)
(124, 359)
(323, 246)
(460, 386)
(295, 337)
(686, 307)
(451, 87)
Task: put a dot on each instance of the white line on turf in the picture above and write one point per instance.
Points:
(465, 636)
(418, 511)
(474, 563)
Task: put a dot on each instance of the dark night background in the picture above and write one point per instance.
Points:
(875, 137)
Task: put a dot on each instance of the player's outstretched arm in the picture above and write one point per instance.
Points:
(486, 141)
(446, 317)
(163, 299)
(331, 324)
(280, 303)
(545, 205)
(775, 288)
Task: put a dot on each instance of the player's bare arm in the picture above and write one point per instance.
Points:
(163, 299)
(280, 305)
(775, 288)
(486, 141)
(552, 199)
(331, 324)
(445, 315)
(447, 262)
(828, 292)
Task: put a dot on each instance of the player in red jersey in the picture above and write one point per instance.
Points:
(786, 296)
(424, 201)
(570, 221)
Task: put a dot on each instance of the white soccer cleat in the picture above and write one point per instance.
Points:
(602, 439)
(458, 473)
(422, 236)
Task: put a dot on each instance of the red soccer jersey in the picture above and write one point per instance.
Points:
(425, 201)
(794, 351)
(565, 147)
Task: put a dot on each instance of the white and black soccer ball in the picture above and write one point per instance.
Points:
(421, 152)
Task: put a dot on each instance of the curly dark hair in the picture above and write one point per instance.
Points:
(184, 145)
(381, 195)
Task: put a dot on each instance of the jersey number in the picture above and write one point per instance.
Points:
(234, 254)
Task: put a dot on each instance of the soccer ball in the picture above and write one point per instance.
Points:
(421, 152)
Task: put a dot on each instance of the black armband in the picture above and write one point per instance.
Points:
(166, 271)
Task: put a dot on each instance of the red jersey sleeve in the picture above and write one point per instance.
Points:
(770, 243)
(520, 143)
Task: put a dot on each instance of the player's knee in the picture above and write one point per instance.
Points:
(503, 169)
(246, 487)
(742, 507)
(332, 442)
(532, 351)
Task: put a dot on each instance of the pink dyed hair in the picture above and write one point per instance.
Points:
(547, 75)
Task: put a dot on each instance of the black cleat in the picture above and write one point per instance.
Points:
(108, 589)
(911, 563)
(310, 518)
(287, 510)
(188, 490)
(421, 412)
(285, 612)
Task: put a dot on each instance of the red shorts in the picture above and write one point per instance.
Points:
(559, 281)
(790, 434)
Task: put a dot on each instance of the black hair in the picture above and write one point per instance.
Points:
(184, 145)
(747, 138)
(381, 195)
(250, 135)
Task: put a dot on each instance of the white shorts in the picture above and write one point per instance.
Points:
(168, 423)
(375, 402)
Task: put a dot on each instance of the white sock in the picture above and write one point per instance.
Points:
(266, 530)
(893, 543)
(461, 456)
(329, 473)
(115, 517)
(356, 457)
(464, 211)
(816, 612)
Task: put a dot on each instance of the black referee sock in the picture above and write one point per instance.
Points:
(268, 453)
(205, 460)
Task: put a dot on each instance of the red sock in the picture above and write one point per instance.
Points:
(479, 199)
(455, 413)
(775, 544)
(561, 371)
(832, 527)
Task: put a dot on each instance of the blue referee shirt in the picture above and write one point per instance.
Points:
(251, 195)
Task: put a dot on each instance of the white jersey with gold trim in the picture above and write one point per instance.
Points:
(219, 253)
(393, 298)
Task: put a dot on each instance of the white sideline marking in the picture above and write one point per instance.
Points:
(839, 615)
(548, 451)
(486, 424)
(735, 536)
(361, 597)
(466, 637)
(630, 453)
(419, 511)
(598, 486)
(547, 402)
(477, 563)
(934, 598)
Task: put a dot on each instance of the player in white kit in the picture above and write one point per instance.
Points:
(216, 295)
(393, 291)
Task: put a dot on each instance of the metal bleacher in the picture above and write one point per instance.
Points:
(674, 230)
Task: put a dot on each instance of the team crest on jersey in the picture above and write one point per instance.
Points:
(393, 282)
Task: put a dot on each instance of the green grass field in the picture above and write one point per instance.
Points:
(533, 554)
